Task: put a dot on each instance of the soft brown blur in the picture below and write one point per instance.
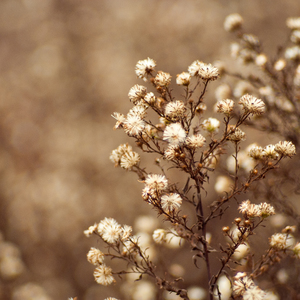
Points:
(65, 66)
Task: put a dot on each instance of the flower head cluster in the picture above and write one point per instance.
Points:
(293, 23)
(162, 79)
(225, 106)
(279, 241)
(110, 230)
(285, 148)
(137, 93)
(256, 210)
(211, 125)
(204, 71)
(144, 67)
(252, 105)
(95, 256)
(233, 22)
(159, 236)
(241, 284)
(125, 157)
(174, 134)
(183, 78)
(237, 135)
(175, 110)
(195, 141)
(103, 275)
(171, 202)
(156, 183)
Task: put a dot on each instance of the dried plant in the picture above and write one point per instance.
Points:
(184, 141)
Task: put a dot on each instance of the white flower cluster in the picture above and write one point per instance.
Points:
(251, 210)
(244, 286)
(125, 157)
(281, 149)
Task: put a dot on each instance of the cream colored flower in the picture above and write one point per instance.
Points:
(175, 110)
(195, 141)
(110, 230)
(144, 67)
(237, 135)
(120, 119)
(95, 256)
(103, 275)
(270, 152)
(171, 202)
(225, 106)
(293, 23)
(183, 78)
(156, 182)
(242, 284)
(233, 22)
(129, 159)
(285, 148)
(170, 152)
(90, 230)
(211, 125)
(162, 79)
(174, 134)
(159, 236)
(133, 125)
(278, 241)
(137, 93)
(252, 105)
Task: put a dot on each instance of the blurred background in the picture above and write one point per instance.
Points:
(65, 67)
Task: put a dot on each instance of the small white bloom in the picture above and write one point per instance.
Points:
(195, 141)
(174, 134)
(171, 202)
(183, 78)
(144, 68)
(233, 22)
(103, 275)
(211, 125)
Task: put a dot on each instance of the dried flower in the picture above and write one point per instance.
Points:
(195, 141)
(292, 53)
(254, 293)
(129, 159)
(208, 72)
(252, 105)
(174, 134)
(137, 93)
(126, 232)
(162, 79)
(266, 210)
(120, 119)
(211, 125)
(90, 230)
(241, 284)
(156, 182)
(237, 135)
(249, 209)
(170, 152)
(295, 36)
(280, 64)
(110, 230)
(103, 275)
(285, 148)
(175, 110)
(159, 236)
(256, 152)
(278, 241)
(293, 23)
(95, 256)
(233, 22)
(133, 125)
(269, 152)
(171, 202)
(150, 98)
(261, 60)
(183, 78)
(130, 245)
(225, 106)
(144, 68)
(193, 69)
